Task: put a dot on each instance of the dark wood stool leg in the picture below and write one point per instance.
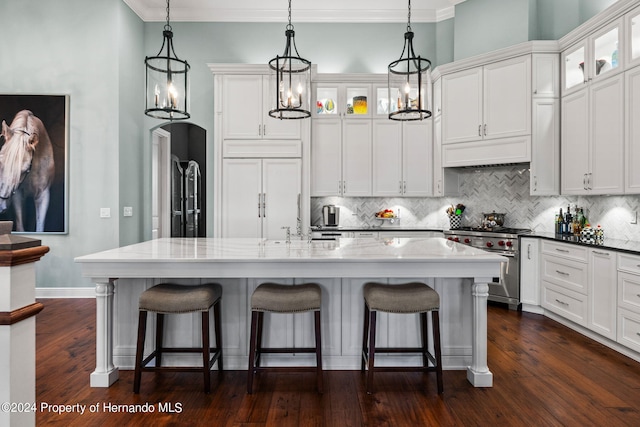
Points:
(142, 329)
(259, 337)
(372, 350)
(365, 335)
(205, 352)
(424, 331)
(435, 320)
(159, 335)
(252, 351)
(217, 317)
(318, 352)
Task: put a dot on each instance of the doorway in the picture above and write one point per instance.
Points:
(179, 170)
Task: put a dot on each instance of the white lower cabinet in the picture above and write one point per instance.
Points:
(260, 196)
(628, 322)
(602, 292)
(529, 274)
(564, 275)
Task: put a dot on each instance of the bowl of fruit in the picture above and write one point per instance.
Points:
(387, 213)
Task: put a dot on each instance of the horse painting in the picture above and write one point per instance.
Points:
(26, 167)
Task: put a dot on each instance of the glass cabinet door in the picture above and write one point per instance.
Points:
(382, 105)
(573, 64)
(357, 101)
(633, 31)
(326, 101)
(605, 51)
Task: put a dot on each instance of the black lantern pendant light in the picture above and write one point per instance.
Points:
(167, 83)
(290, 80)
(409, 82)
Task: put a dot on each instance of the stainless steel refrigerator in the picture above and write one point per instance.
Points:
(186, 206)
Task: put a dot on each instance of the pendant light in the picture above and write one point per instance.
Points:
(167, 84)
(290, 79)
(409, 82)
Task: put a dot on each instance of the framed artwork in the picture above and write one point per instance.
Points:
(34, 162)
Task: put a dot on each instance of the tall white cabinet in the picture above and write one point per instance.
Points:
(260, 197)
(260, 163)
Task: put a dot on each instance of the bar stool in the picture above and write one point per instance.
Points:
(277, 298)
(414, 297)
(169, 298)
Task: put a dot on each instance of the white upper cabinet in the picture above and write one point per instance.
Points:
(462, 106)
(545, 75)
(245, 110)
(632, 140)
(632, 26)
(341, 157)
(487, 102)
(596, 57)
(352, 101)
(593, 139)
(402, 158)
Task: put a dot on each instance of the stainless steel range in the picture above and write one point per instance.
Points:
(504, 241)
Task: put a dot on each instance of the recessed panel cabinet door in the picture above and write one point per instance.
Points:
(462, 106)
(632, 85)
(417, 140)
(575, 143)
(326, 157)
(242, 198)
(356, 157)
(507, 98)
(281, 187)
(607, 136)
(387, 158)
(242, 107)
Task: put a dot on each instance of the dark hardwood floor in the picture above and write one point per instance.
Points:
(544, 375)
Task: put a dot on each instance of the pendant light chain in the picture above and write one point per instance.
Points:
(290, 26)
(167, 26)
(409, 17)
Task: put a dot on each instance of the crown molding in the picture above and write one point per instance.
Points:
(319, 15)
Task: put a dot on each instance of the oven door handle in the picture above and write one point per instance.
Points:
(508, 254)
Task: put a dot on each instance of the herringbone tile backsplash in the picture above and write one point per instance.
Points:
(502, 189)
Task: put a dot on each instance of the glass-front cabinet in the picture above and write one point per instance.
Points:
(599, 55)
(633, 36)
(343, 100)
(382, 104)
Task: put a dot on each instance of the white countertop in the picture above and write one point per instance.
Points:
(215, 257)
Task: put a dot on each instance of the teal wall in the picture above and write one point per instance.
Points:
(93, 51)
(482, 26)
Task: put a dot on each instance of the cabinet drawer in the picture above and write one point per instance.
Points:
(575, 252)
(569, 274)
(570, 305)
(629, 329)
(629, 263)
(629, 291)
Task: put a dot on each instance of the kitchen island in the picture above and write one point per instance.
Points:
(458, 272)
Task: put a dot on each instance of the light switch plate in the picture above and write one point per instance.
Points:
(127, 211)
(105, 212)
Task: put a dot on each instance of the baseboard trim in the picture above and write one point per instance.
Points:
(65, 292)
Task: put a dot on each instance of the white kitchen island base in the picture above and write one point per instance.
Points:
(459, 273)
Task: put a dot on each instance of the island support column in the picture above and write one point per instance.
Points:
(106, 373)
(18, 329)
(478, 373)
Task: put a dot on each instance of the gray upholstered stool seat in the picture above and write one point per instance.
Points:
(168, 298)
(414, 297)
(407, 298)
(278, 298)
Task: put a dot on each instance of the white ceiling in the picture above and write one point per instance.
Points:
(366, 11)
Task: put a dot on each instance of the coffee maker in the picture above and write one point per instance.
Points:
(331, 215)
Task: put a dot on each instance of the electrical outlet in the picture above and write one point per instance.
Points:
(105, 212)
(127, 211)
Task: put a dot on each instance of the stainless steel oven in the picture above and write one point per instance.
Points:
(503, 241)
